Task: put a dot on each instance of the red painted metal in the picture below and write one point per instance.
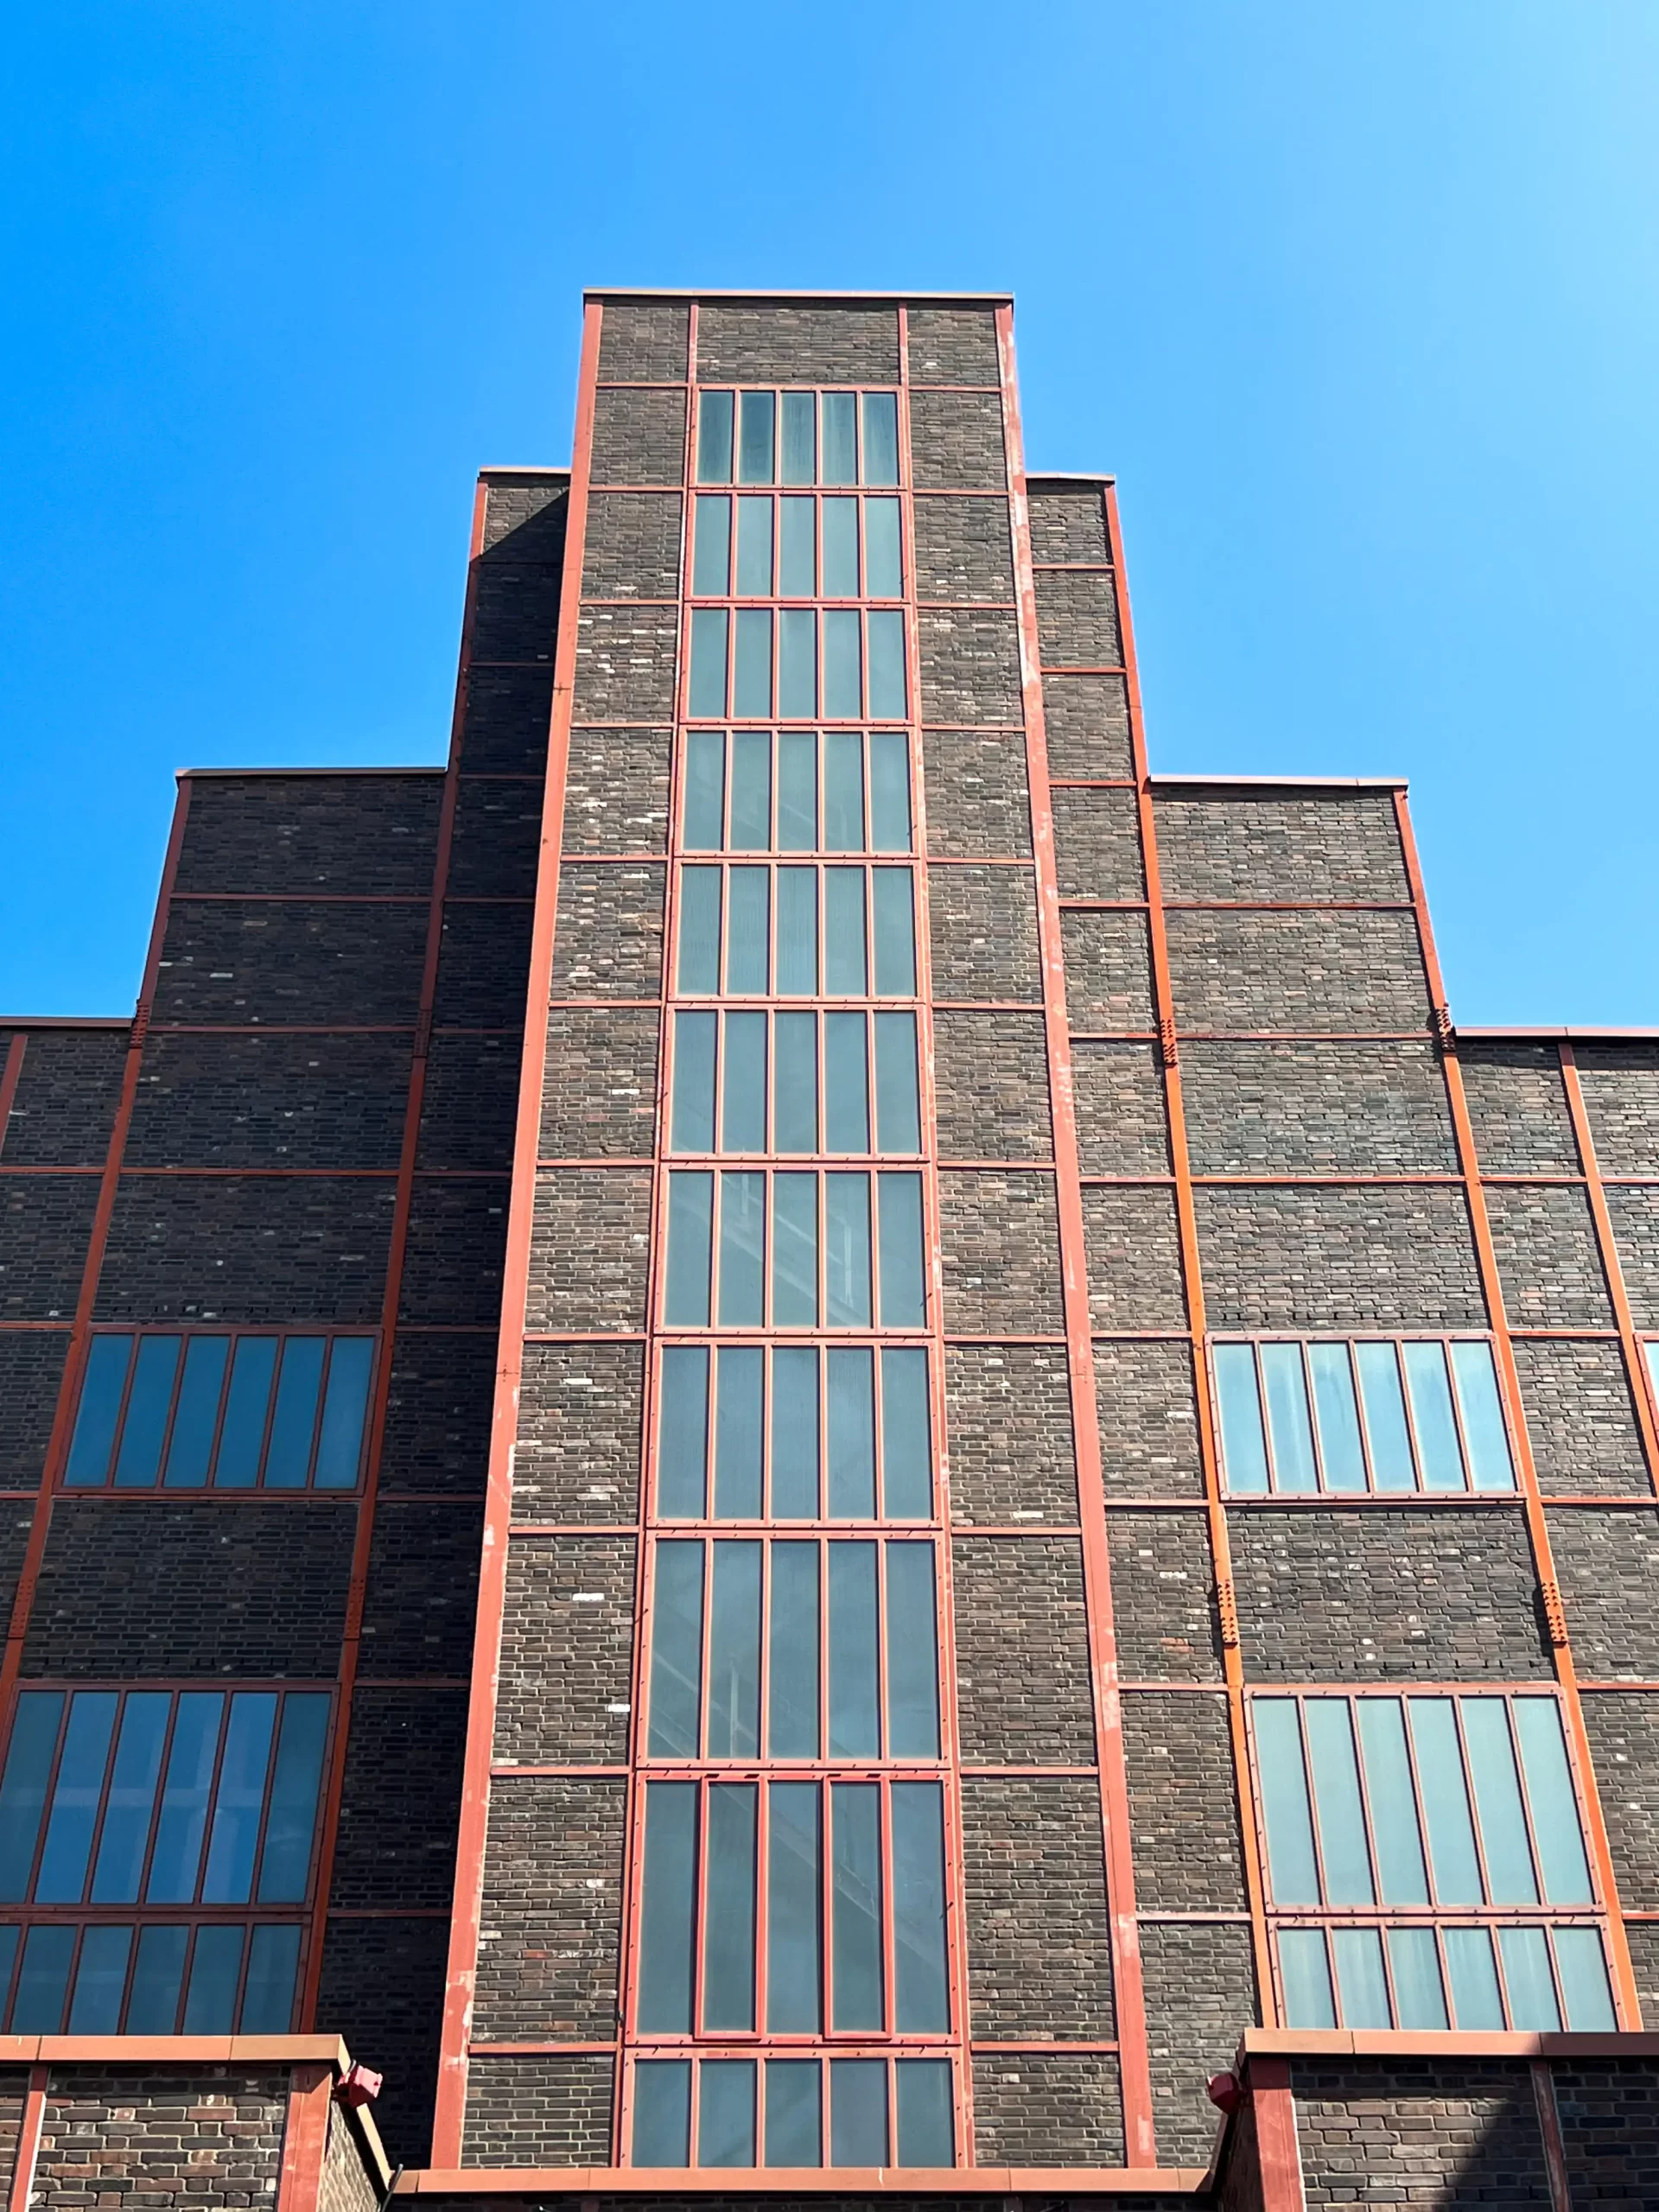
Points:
(1272, 2110)
(25, 2155)
(10, 1073)
(305, 2138)
(1549, 2128)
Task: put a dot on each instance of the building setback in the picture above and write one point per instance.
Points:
(797, 1428)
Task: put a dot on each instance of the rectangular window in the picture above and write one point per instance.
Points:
(796, 547)
(759, 929)
(789, 2112)
(229, 1409)
(796, 792)
(787, 1249)
(843, 663)
(172, 1977)
(797, 437)
(1353, 1417)
(795, 1083)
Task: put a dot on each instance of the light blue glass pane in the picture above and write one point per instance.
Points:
(1472, 1973)
(1401, 1872)
(797, 932)
(241, 1440)
(856, 1982)
(739, 1372)
(1337, 1801)
(662, 2112)
(100, 1406)
(795, 1433)
(700, 899)
(798, 550)
(157, 1981)
(22, 1787)
(1583, 1970)
(912, 1660)
(684, 1434)
(858, 2112)
(241, 1796)
(752, 664)
(215, 1970)
(920, 2003)
(854, 1721)
(852, 1434)
(690, 1213)
(1305, 1973)
(927, 2127)
(705, 791)
(1431, 1415)
(792, 1663)
(880, 438)
(894, 919)
(707, 692)
(794, 1944)
(847, 1250)
(1295, 1876)
(903, 1289)
(10, 1938)
(268, 1992)
(757, 414)
(846, 1083)
(715, 437)
(1244, 1456)
(1554, 1809)
(844, 967)
(196, 1417)
(676, 1651)
(711, 560)
(1527, 1980)
(798, 791)
(1445, 1800)
(1362, 1986)
(100, 1981)
(839, 430)
(726, 2112)
(694, 1082)
(749, 929)
(890, 829)
(139, 1459)
(742, 1250)
(131, 1803)
(751, 823)
(884, 574)
(345, 1404)
(75, 1795)
(843, 790)
(668, 1909)
(42, 1981)
(728, 1907)
(795, 1251)
(1483, 1416)
(1419, 1999)
(888, 697)
(735, 1655)
(1385, 1417)
(1336, 1414)
(844, 672)
(800, 438)
(285, 1861)
(753, 548)
(743, 1085)
(288, 1456)
(906, 1441)
(794, 2122)
(897, 1104)
(1510, 1877)
(1288, 1427)
(841, 549)
(184, 1798)
(795, 1083)
(797, 672)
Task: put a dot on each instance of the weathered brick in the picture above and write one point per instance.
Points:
(969, 667)
(626, 661)
(999, 1234)
(1123, 1124)
(978, 800)
(1225, 844)
(1077, 618)
(631, 547)
(983, 927)
(991, 1082)
(538, 2111)
(1134, 1258)
(1068, 522)
(952, 346)
(616, 791)
(63, 1111)
(580, 1418)
(1607, 1565)
(1518, 1108)
(1182, 1802)
(316, 962)
(1430, 2132)
(1022, 1593)
(643, 341)
(1200, 1996)
(1623, 1726)
(964, 550)
(31, 1373)
(353, 834)
(1303, 1108)
(956, 442)
(1108, 972)
(567, 1647)
(1580, 1417)
(1277, 1256)
(1048, 2108)
(1008, 1420)
(270, 1102)
(1040, 1961)
(1163, 1598)
(1635, 1212)
(526, 510)
(1298, 971)
(1097, 844)
(607, 942)
(588, 1249)
(1548, 1266)
(1149, 1419)
(547, 1958)
(45, 1221)
(1087, 719)
(823, 342)
(638, 437)
(1620, 1101)
(599, 1092)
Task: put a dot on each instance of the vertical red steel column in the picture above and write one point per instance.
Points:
(462, 1975)
(1278, 2156)
(1626, 2001)
(1128, 1998)
(27, 2154)
(305, 2138)
(1192, 1279)
(1549, 2128)
(11, 1072)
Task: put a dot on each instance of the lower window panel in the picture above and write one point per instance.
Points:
(159, 1978)
(793, 2112)
(1471, 1977)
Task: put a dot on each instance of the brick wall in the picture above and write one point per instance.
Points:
(1182, 1802)
(541, 2110)
(1023, 1593)
(548, 1956)
(1200, 1987)
(211, 2136)
(1009, 1415)
(1038, 1949)
(1427, 2131)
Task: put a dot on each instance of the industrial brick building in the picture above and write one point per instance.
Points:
(801, 1439)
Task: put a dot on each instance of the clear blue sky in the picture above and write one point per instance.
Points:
(1359, 301)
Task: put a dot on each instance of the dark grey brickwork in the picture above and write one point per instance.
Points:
(609, 940)
(1295, 1108)
(204, 2137)
(991, 1080)
(1278, 1257)
(382, 1989)
(587, 1261)
(15, 1520)
(1379, 1593)
(978, 800)
(1621, 1100)
(1518, 1108)
(956, 442)
(567, 1641)
(418, 1614)
(270, 1102)
(964, 552)
(1000, 1238)
(350, 834)
(1607, 1565)
(516, 595)
(826, 342)
(1609, 2111)
(1077, 618)
(1040, 1961)
(455, 1251)
(507, 713)
(438, 1411)
(1427, 2131)
(1200, 1986)
(1122, 1123)
(632, 548)
(299, 962)
(346, 2183)
(599, 1093)
(1097, 845)
(982, 928)
(1643, 1937)
(45, 1221)
(1308, 971)
(643, 341)
(969, 665)
(539, 2111)
(1087, 719)
(1623, 1731)
(401, 1802)
(638, 437)
(1149, 1419)
(1068, 523)
(547, 1962)
(616, 791)
(64, 1108)
(470, 1103)
(952, 345)
(1108, 972)
(1182, 1802)
(624, 662)
(1548, 1263)
(1580, 1418)
(483, 966)
(578, 1451)
(1163, 1598)
(247, 1248)
(1222, 845)
(497, 837)
(1047, 2108)
(525, 514)
(31, 1370)
(1134, 1254)
(1024, 1594)
(1009, 1417)
(1635, 1212)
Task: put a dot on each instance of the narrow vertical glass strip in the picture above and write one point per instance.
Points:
(1362, 1985)
(738, 1423)
(726, 2112)
(1497, 1782)
(292, 1424)
(267, 1991)
(794, 2127)
(1446, 1801)
(798, 665)
(903, 1304)
(840, 549)
(42, 1981)
(662, 2110)
(757, 414)
(711, 558)
(1244, 1458)
(1288, 1426)
(706, 693)
(751, 664)
(844, 664)
(792, 1653)
(22, 1787)
(856, 1890)
(742, 1084)
(890, 824)
(1414, 1964)
(800, 438)
(920, 2001)
(749, 929)
(798, 548)
(157, 1981)
(75, 1795)
(705, 791)
(668, 1909)
(1385, 1417)
(728, 1907)
(1554, 1808)
(699, 919)
(742, 1249)
(684, 1448)
(880, 438)
(852, 1434)
(858, 2112)
(1403, 1875)
(1432, 1417)
(1341, 1456)
(1305, 1973)
(190, 1448)
(1484, 1432)
(839, 432)
(1291, 1863)
(846, 1083)
(854, 1719)
(734, 1653)
(1337, 1801)
(795, 1433)
(894, 915)
(239, 1798)
(751, 823)
(675, 1730)
(794, 1895)
(1582, 1967)
(694, 1082)
(844, 967)
(795, 1251)
(131, 1804)
(100, 1407)
(1472, 1972)
(847, 1250)
(753, 548)
(843, 790)
(176, 1854)
(715, 437)
(926, 2122)
(798, 791)
(345, 1411)
(884, 574)
(291, 1822)
(1527, 1981)
(100, 1981)
(143, 1433)
(797, 932)
(885, 633)
(795, 1083)
(913, 1655)
(690, 1228)
(898, 1103)
(907, 1439)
